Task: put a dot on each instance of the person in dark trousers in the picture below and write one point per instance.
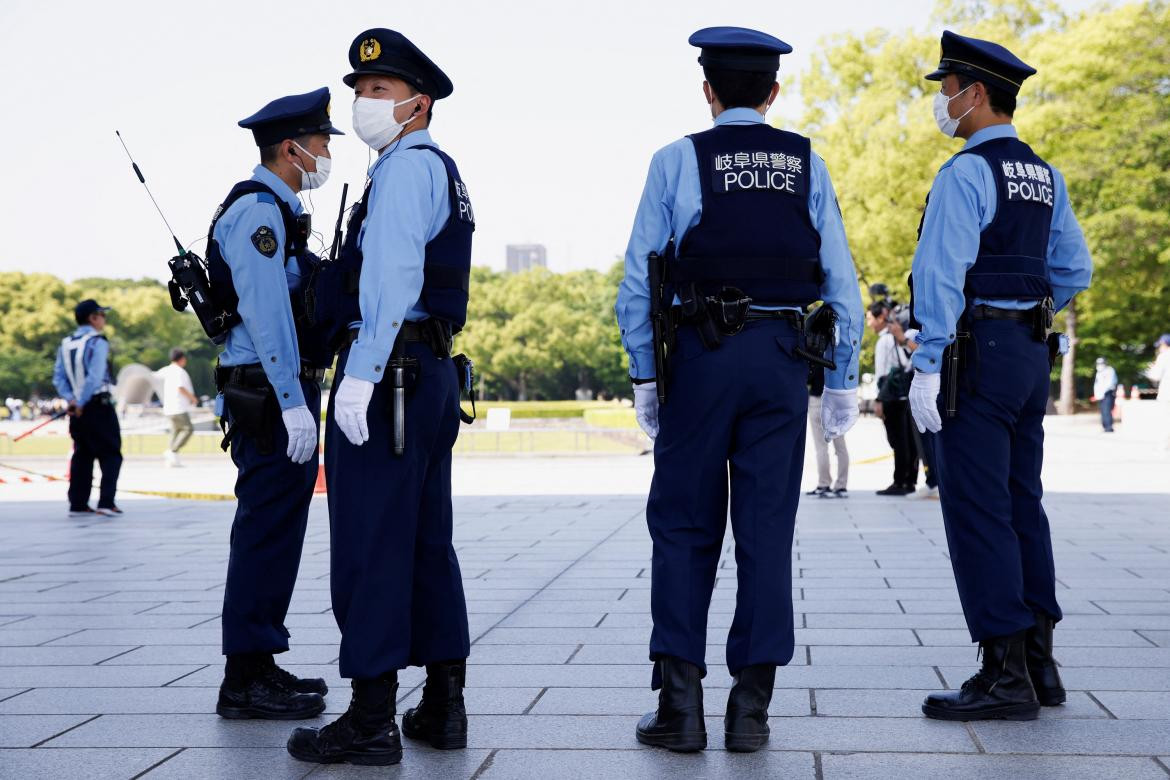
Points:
(1105, 392)
(999, 253)
(924, 441)
(82, 377)
(892, 369)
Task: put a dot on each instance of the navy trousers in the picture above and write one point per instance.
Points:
(989, 457)
(267, 537)
(96, 436)
(397, 589)
(733, 427)
(1107, 401)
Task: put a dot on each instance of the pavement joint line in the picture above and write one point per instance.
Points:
(974, 737)
(534, 702)
(63, 636)
(573, 654)
(1100, 704)
(487, 762)
(157, 764)
(117, 655)
(941, 679)
(601, 620)
(808, 655)
(188, 674)
(1138, 631)
(1161, 764)
(1098, 606)
(19, 619)
(152, 606)
(812, 701)
(818, 768)
(66, 731)
(914, 631)
(205, 620)
(18, 693)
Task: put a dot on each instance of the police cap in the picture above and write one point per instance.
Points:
(88, 307)
(290, 117)
(982, 61)
(389, 53)
(738, 48)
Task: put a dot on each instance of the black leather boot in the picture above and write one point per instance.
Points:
(1041, 664)
(366, 734)
(252, 688)
(678, 723)
(745, 726)
(1001, 690)
(440, 718)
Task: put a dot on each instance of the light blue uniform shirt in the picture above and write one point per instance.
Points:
(268, 334)
(408, 205)
(96, 363)
(672, 203)
(962, 204)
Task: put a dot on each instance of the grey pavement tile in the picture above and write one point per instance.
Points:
(1140, 737)
(14, 636)
(59, 656)
(92, 676)
(479, 701)
(418, 763)
(520, 654)
(863, 766)
(902, 704)
(191, 636)
(634, 702)
(1134, 705)
(1160, 638)
(210, 654)
(1067, 638)
(112, 701)
(711, 764)
(178, 730)
(98, 763)
(236, 763)
(26, 731)
(640, 655)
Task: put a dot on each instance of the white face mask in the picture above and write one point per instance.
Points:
(946, 124)
(311, 181)
(374, 122)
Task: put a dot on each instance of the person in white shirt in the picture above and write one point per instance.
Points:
(1159, 374)
(178, 397)
(1105, 391)
(892, 408)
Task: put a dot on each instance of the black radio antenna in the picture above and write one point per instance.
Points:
(141, 178)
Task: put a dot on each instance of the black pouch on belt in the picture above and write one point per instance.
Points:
(251, 409)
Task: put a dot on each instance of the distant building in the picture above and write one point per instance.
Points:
(522, 257)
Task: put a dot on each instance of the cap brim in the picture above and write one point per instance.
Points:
(937, 74)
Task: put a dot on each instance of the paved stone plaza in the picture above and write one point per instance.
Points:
(109, 643)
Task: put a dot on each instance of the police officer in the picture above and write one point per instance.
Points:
(397, 590)
(270, 401)
(82, 377)
(754, 218)
(999, 249)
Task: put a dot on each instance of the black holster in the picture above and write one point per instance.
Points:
(250, 405)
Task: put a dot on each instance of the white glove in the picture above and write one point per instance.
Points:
(838, 412)
(302, 433)
(646, 407)
(350, 404)
(924, 402)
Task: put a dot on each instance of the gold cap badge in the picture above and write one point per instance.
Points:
(369, 50)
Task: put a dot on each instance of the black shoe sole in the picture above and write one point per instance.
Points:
(682, 742)
(350, 757)
(744, 743)
(438, 742)
(1005, 712)
(251, 713)
(1051, 699)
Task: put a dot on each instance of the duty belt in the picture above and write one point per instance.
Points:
(252, 374)
(435, 333)
(982, 312)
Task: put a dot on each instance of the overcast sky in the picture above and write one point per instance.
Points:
(556, 111)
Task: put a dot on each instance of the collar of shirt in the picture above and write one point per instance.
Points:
(417, 138)
(265, 176)
(991, 133)
(84, 330)
(739, 116)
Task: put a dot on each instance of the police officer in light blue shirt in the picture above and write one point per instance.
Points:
(269, 379)
(999, 250)
(748, 221)
(394, 417)
(82, 377)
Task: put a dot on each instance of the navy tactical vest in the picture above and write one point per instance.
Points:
(446, 264)
(296, 231)
(754, 233)
(1013, 248)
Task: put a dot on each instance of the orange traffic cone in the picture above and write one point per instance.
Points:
(320, 486)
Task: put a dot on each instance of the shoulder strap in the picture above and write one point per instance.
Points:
(266, 195)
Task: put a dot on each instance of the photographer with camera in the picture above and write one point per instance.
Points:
(893, 372)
